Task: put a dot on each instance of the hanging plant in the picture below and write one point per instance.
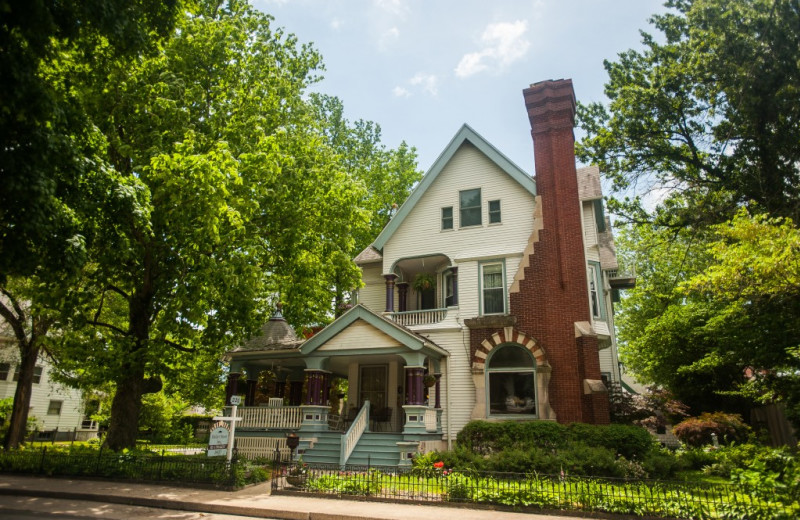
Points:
(424, 281)
(429, 380)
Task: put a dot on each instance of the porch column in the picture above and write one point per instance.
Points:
(415, 389)
(232, 387)
(250, 396)
(438, 390)
(390, 278)
(402, 294)
(453, 270)
(315, 387)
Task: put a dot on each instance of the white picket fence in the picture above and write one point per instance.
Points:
(252, 447)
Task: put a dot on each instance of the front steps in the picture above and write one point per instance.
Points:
(375, 449)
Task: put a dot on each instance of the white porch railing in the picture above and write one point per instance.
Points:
(425, 317)
(431, 420)
(350, 439)
(279, 417)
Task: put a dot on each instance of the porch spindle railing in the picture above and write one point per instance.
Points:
(353, 434)
(282, 417)
(425, 317)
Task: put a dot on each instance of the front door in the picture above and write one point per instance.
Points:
(373, 386)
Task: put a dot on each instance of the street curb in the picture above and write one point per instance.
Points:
(180, 505)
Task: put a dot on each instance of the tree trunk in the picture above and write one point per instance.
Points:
(125, 408)
(29, 353)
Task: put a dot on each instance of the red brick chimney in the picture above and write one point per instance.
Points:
(552, 302)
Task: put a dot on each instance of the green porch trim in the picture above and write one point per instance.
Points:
(464, 134)
(406, 338)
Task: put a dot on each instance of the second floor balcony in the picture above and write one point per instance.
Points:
(422, 317)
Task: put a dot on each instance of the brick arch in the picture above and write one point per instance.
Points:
(504, 336)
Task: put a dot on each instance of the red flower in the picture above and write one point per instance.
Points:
(439, 464)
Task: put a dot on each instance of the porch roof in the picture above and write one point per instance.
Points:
(404, 336)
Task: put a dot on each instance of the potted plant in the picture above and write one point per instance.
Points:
(429, 380)
(424, 281)
(298, 474)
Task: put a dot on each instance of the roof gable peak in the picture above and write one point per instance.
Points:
(464, 134)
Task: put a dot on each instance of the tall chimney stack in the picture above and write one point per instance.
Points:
(552, 303)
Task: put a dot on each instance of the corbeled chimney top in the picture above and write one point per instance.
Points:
(550, 104)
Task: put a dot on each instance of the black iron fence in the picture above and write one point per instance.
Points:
(164, 466)
(536, 491)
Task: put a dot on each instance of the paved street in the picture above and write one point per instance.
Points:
(27, 508)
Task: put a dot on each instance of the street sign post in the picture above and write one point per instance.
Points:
(235, 402)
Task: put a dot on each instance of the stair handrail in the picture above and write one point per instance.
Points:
(353, 434)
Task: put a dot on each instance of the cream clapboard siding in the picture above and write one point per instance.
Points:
(359, 335)
(607, 362)
(373, 294)
(421, 234)
(462, 393)
(42, 393)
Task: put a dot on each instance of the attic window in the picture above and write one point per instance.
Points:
(470, 206)
(447, 217)
(494, 212)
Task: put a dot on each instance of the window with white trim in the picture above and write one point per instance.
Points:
(448, 285)
(447, 217)
(511, 381)
(494, 212)
(5, 368)
(594, 297)
(54, 408)
(37, 374)
(470, 207)
(493, 298)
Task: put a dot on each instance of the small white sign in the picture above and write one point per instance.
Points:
(218, 441)
(236, 400)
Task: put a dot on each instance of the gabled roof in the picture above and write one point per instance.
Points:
(404, 336)
(464, 134)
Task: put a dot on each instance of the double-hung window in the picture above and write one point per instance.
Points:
(594, 297)
(54, 407)
(492, 288)
(37, 374)
(5, 368)
(449, 282)
(447, 217)
(494, 212)
(470, 207)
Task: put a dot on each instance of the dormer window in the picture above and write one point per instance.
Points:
(447, 218)
(470, 207)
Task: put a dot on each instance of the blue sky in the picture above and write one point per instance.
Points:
(421, 68)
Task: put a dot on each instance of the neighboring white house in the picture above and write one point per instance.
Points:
(53, 406)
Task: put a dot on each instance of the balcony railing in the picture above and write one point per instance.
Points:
(426, 317)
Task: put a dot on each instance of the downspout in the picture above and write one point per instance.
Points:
(449, 388)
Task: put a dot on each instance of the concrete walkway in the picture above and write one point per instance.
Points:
(254, 501)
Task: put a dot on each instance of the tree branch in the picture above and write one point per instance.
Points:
(16, 321)
(119, 291)
(177, 346)
(109, 326)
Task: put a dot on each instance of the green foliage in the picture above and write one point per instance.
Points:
(696, 431)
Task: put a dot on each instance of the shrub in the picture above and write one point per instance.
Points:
(632, 442)
(696, 431)
(488, 437)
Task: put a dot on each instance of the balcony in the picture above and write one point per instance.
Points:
(424, 317)
(619, 280)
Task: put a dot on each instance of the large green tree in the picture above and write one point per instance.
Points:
(228, 200)
(706, 115)
(703, 122)
(51, 163)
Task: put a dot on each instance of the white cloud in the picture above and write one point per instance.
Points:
(401, 92)
(428, 82)
(392, 6)
(503, 44)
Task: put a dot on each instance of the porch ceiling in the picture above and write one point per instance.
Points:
(408, 268)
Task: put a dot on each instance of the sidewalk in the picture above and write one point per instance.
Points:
(254, 501)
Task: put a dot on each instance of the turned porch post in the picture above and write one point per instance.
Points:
(415, 389)
(402, 294)
(390, 278)
(232, 387)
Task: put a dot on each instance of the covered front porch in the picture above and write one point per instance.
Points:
(362, 381)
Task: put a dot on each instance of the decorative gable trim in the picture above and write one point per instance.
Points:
(402, 335)
(464, 134)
